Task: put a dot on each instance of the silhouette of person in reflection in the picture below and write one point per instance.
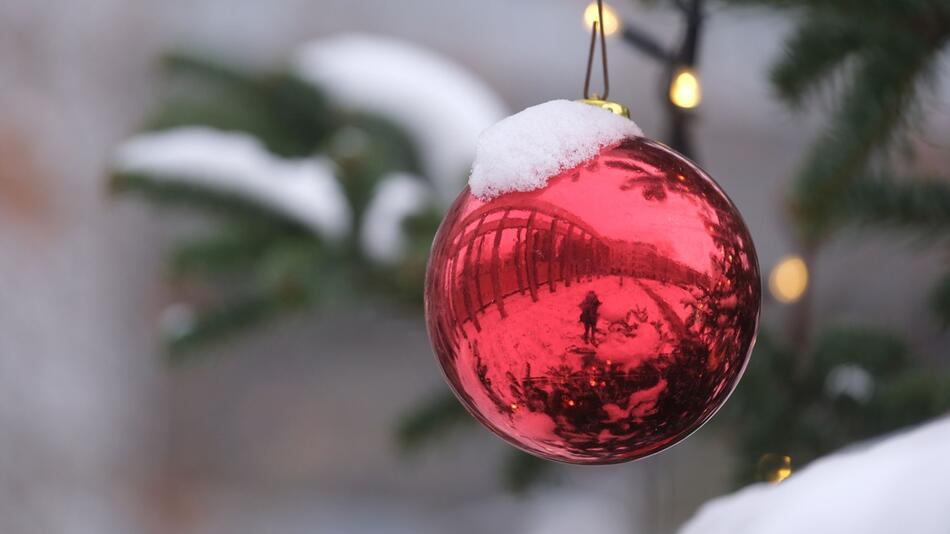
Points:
(589, 315)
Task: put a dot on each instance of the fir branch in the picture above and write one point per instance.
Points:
(383, 148)
(870, 113)
(288, 273)
(226, 319)
(880, 353)
(909, 398)
(818, 47)
(940, 300)
(179, 62)
(289, 115)
(430, 420)
(215, 255)
(646, 43)
(304, 272)
(521, 471)
(912, 203)
(859, 9)
(404, 282)
(285, 274)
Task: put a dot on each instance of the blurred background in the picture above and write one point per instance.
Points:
(215, 215)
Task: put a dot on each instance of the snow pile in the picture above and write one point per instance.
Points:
(521, 152)
(442, 106)
(900, 484)
(397, 196)
(305, 190)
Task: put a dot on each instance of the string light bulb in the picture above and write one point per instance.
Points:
(789, 279)
(685, 91)
(774, 468)
(611, 22)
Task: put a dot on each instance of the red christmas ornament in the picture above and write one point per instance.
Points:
(601, 318)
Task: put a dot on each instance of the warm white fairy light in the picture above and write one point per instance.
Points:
(611, 21)
(685, 90)
(774, 468)
(789, 279)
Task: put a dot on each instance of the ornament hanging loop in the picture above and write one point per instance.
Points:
(598, 27)
(596, 99)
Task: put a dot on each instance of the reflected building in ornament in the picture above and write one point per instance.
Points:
(601, 318)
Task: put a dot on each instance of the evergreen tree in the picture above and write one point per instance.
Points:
(873, 61)
(257, 262)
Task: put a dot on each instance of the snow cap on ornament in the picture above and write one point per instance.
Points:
(522, 151)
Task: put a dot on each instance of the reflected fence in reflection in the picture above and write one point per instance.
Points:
(547, 247)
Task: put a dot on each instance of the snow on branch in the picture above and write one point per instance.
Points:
(441, 105)
(304, 190)
(398, 195)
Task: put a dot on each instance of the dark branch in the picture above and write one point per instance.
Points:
(646, 43)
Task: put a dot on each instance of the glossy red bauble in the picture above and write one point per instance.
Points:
(601, 318)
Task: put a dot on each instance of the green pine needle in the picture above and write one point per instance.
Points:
(289, 116)
(871, 112)
(522, 471)
(431, 420)
(920, 204)
(940, 302)
(817, 48)
(223, 321)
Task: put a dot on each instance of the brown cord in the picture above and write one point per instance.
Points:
(598, 26)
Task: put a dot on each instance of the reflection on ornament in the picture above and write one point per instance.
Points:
(601, 318)
(685, 91)
(789, 279)
(774, 468)
(611, 22)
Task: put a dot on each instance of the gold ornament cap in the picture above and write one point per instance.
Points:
(613, 107)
